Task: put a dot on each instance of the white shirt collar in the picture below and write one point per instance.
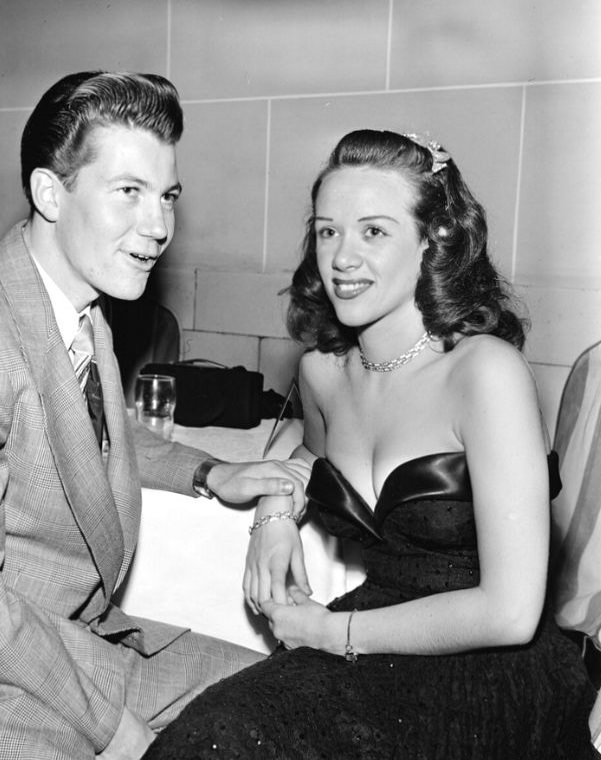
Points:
(67, 317)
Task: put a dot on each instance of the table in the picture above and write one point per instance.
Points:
(190, 558)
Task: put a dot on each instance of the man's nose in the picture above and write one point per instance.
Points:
(153, 221)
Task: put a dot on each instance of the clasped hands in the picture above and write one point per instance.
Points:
(275, 553)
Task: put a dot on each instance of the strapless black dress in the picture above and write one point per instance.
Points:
(511, 703)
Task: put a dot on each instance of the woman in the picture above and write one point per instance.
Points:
(423, 428)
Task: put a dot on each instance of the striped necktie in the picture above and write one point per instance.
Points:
(87, 375)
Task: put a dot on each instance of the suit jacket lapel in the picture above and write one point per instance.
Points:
(122, 465)
(75, 449)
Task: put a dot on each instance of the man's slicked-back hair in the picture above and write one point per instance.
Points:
(55, 134)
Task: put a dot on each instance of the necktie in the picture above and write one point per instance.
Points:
(87, 375)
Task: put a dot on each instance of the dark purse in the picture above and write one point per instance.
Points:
(209, 393)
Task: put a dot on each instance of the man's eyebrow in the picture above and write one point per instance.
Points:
(176, 187)
(128, 178)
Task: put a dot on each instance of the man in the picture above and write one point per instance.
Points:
(78, 677)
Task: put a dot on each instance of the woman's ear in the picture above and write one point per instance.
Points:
(45, 189)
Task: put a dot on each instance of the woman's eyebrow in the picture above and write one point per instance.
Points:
(370, 218)
(378, 216)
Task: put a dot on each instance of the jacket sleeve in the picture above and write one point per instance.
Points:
(163, 464)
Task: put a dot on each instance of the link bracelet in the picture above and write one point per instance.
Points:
(349, 655)
(268, 518)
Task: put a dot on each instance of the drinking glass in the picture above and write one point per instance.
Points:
(155, 403)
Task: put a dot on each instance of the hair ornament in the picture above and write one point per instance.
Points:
(439, 156)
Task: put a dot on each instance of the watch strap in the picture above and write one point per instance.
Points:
(201, 473)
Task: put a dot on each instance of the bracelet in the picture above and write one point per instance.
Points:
(349, 655)
(268, 518)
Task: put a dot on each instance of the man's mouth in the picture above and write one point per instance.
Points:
(142, 257)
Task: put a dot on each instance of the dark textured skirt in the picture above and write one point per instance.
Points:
(517, 703)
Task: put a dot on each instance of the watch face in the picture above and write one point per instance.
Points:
(203, 491)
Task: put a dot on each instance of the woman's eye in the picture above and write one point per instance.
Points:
(326, 232)
(373, 231)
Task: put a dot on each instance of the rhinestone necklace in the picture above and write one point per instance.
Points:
(400, 360)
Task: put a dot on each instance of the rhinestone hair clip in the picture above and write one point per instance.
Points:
(439, 156)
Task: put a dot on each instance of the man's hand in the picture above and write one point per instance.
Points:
(241, 482)
(273, 550)
(131, 740)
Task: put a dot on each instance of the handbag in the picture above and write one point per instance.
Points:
(209, 393)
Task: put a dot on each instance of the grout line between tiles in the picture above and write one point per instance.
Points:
(398, 91)
(389, 44)
(168, 42)
(195, 298)
(259, 351)
(346, 94)
(266, 197)
(518, 189)
(550, 364)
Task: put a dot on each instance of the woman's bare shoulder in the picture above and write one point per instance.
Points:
(487, 370)
(321, 377)
(482, 356)
(320, 365)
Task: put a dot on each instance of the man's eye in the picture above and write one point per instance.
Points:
(170, 198)
(128, 189)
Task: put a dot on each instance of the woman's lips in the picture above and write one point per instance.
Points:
(347, 289)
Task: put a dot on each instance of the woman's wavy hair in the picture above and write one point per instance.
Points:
(55, 136)
(458, 292)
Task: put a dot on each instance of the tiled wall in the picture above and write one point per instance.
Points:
(512, 88)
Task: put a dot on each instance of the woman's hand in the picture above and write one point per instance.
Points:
(273, 550)
(305, 623)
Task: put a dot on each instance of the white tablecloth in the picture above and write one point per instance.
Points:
(190, 558)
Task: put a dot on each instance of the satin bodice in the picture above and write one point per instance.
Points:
(420, 537)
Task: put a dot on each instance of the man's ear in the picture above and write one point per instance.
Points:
(45, 192)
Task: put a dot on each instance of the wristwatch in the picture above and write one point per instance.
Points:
(201, 473)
